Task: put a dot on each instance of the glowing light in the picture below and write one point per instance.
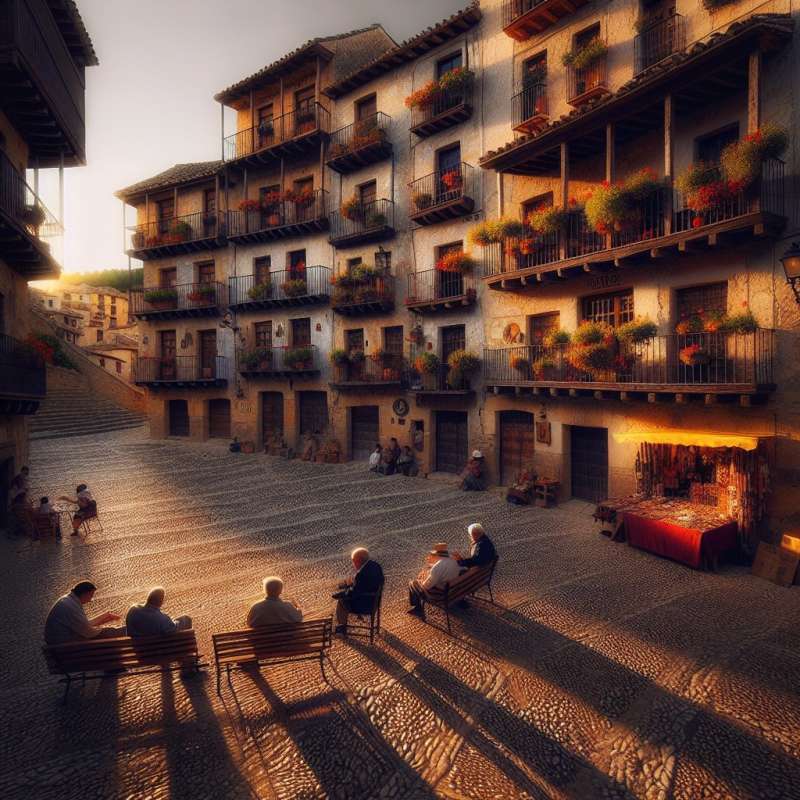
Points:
(689, 438)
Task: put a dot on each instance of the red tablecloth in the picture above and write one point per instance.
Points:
(687, 545)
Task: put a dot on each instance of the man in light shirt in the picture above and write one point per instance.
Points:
(272, 610)
(147, 619)
(67, 620)
(443, 570)
(375, 458)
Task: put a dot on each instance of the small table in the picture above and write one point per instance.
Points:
(546, 492)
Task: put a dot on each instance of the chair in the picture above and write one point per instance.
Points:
(93, 516)
(374, 625)
(44, 525)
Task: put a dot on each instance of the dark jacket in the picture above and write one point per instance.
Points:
(366, 582)
(482, 553)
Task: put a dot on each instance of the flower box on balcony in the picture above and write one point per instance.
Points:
(202, 295)
(301, 358)
(297, 287)
(261, 291)
(162, 299)
(137, 240)
(257, 360)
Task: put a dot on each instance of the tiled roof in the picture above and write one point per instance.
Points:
(174, 176)
(664, 72)
(349, 49)
(70, 23)
(407, 51)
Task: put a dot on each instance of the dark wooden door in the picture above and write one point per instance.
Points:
(452, 445)
(589, 452)
(364, 431)
(168, 346)
(208, 352)
(178, 418)
(313, 412)
(219, 419)
(516, 444)
(271, 415)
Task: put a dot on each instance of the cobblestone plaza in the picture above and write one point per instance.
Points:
(601, 672)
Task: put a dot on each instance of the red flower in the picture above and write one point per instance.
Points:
(744, 303)
(697, 222)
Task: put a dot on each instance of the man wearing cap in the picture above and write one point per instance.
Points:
(482, 552)
(472, 477)
(443, 570)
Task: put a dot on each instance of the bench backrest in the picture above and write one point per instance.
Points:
(93, 655)
(469, 583)
(273, 641)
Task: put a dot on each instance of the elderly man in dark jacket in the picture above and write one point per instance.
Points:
(357, 594)
(482, 552)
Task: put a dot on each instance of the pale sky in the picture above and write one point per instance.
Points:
(150, 104)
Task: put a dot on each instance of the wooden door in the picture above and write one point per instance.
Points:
(366, 108)
(452, 444)
(168, 350)
(208, 353)
(589, 454)
(271, 415)
(516, 444)
(168, 277)
(219, 419)
(449, 163)
(178, 418)
(449, 284)
(313, 412)
(364, 431)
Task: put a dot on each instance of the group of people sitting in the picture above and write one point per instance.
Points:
(391, 460)
(67, 620)
(25, 515)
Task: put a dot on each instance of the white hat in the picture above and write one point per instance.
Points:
(477, 454)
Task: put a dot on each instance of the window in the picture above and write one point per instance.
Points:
(265, 125)
(587, 35)
(534, 70)
(529, 206)
(614, 309)
(448, 63)
(713, 298)
(168, 278)
(540, 325)
(393, 339)
(304, 98)
(205, 272)
(367, 193)
(263, 335)
(367, 107)
(261, 268)
(352, 263)
(272, 190)
(165, 210)
(709, 148)
(301, 332)
(296, 264)
(305, 116)
(118, 365)
(210, 200)
(354, 340)
(449, 158)
(453, 338)
(304, 185)
(383, 260)
(100, 335)
(304, 204)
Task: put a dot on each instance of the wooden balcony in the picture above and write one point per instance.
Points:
(279, 362)
(658, 40)
(447, 109)
(282, 289)
(440, 385)
(23, 377)
(173, 236)
(371, 373)
(360, 144)
(176, 302)
(525, 18)
(370, 222)
(433, 290)
(280, 219)
(296, 134)
(182, 372)
(529, 109)
(729, 367)
(587, 84)
(372, 295)
(441, 196)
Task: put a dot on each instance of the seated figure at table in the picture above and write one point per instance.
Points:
(472, 478)
(272, 610)
(520, 493)
(147, 619)
(356, 595)
(441, 570)
(67, 620)
(87, 506)
(46, 510)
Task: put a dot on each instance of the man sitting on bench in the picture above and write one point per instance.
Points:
(357, 594)
(481, 553)
(272, 610)
(67, 620)
(443, 570)
(147, 619)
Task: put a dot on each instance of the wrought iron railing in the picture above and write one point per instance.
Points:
(442, 187)
(435, 285)
(529, 103)
(658, 40)
(281, 285)
(442, 101)
(582, 80)
(176, 230)
(442, 379)
(713, 359)
(300, 358)
(371, 130)
(310, 117)
(181, 369)
(183, 297)
(514, 9)
(23, 372)
(372, 289)
(378, 368)
(363, 219)
(296, 209)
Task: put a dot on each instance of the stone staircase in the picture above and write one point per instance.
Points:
(72, 409)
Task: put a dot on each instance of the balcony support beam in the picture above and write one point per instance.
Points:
(754, 92)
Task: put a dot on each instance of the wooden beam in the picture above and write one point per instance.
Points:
(754, 92)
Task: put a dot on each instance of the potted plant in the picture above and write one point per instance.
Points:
(593, 349)
(546, 220)
(161, 299)
(519, 363)
(426, 363)
(299, 358)
(462, 364)
(339, 357)
(543, 369)
(249, 206)
(456, 81)
(452, 180)
(693, 355)
(203, 295)
(743, 322)
(259, 360)
(637, 331)
(422, 200)
(33, 216)
(590, 53)
(455, 261)
(295, 287)
(377, 220)
(181, 231)
(424, 96)
(260, 291)
(351, 209)
(138, 240)
(741, 161)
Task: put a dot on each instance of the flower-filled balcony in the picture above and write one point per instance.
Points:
(357, 370)
(450, 285)
(279, 362)
(440, 104)
(189, 233)
(300, 286)
(358, 223)
(529, 110)
(174, 302)
(364, 290)
(279, 215)
(294, 134)
(358, 145)
(184, 372)
(430, 378)
(726, 357)
(23, 374)
(443, 195)
(658, 39)
(525, 18)
(587, 67)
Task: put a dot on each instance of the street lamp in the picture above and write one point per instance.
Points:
(791, 266)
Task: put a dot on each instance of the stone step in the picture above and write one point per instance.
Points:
(68, 432)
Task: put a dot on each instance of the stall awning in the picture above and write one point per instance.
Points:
(688, 438)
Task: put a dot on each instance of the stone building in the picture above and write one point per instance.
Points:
(44, 50)
(336, 220)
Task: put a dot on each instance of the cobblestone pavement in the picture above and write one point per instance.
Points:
(603, 673)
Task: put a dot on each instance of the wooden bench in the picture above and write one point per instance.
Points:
(466, 586)
(90, 659)
(272, 644)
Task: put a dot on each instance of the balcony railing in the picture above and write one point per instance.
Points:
(433, 287)
(296, 124)
(529, 107)
(187, 299)
(173, 232)
(361, 143)
(443, 380)
(588, 82)
(185, 370)
(280, 288)
(23, 374)
(452, 189)
(282, 217)
(388, 368)
(373, 293)
(742, 360)
(282, 361)
(524, 18)
(447, 107)
(367, 222)
(659, 40)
